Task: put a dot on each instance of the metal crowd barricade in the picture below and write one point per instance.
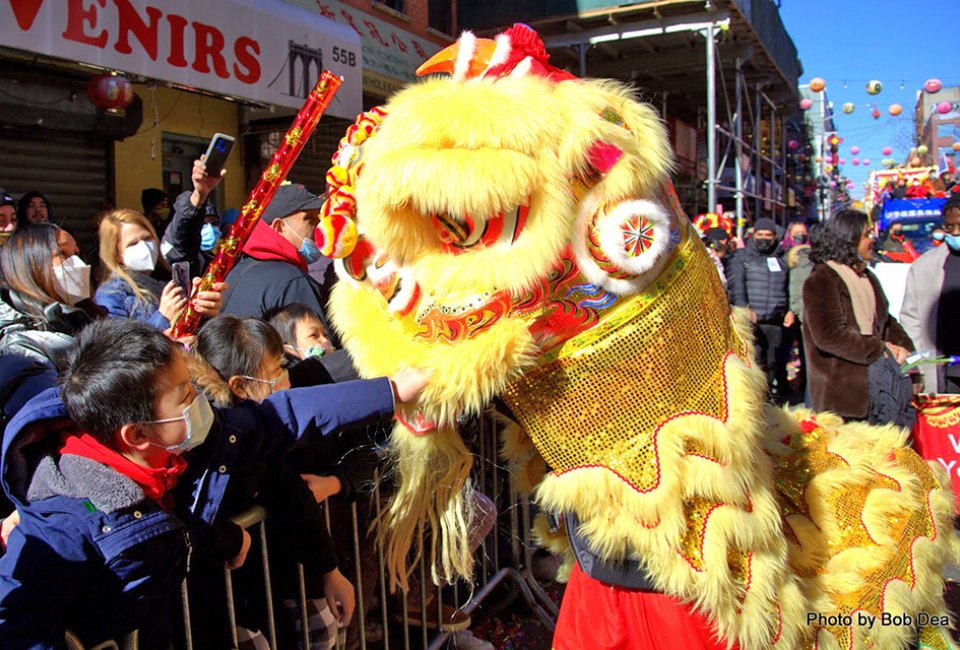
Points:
(493, 568)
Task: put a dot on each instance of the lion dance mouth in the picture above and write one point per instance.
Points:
(518, 236)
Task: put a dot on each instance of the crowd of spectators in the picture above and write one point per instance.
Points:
(127, 453)
(820, 316)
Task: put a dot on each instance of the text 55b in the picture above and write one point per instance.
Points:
(346, 57)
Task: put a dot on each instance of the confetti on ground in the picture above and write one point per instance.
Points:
(519, 628)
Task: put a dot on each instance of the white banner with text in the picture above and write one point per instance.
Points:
(261, 50)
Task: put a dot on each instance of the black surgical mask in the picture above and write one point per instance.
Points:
(765, 246)
(801, 239)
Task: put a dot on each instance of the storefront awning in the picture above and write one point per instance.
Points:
(260, 50)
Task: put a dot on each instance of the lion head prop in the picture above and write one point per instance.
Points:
(520, 237)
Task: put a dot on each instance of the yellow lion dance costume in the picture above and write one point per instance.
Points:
(520, 237)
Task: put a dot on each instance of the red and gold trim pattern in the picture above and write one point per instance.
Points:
(940, 411)
(443, 324)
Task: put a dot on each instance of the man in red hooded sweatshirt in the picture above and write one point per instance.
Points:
(272, 271)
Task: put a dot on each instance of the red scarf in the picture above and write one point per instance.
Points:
(155, 481)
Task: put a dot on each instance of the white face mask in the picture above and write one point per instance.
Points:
(199, 418)
(72, 280)
(142, 256)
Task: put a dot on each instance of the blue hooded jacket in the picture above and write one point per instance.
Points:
(21, 379)
(93, 555)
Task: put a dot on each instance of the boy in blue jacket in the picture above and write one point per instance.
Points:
(90, 468)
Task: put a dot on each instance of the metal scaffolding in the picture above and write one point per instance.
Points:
(747, 155)
(745, 128)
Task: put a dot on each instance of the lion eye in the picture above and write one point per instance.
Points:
(624, 245)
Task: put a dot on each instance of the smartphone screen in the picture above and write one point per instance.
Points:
(217, 152)
(181, 275)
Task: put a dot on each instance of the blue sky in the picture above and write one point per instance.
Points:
(853, 41)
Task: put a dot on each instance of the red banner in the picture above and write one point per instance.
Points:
(936, 435)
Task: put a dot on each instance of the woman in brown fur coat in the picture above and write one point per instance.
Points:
(846, 322)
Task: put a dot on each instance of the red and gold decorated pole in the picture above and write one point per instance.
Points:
(286, 154)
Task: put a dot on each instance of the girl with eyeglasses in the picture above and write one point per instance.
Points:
(238, 359)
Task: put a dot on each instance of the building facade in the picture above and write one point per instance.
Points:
(940, 132)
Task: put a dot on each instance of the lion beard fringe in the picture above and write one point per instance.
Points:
(433, 506)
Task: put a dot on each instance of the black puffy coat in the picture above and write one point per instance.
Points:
(181, 239)
(753, 282)
(46, 337)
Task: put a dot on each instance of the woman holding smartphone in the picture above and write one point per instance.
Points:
(129, 252)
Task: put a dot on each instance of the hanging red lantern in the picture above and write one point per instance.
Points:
(112, 93)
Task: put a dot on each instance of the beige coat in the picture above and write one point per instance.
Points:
(918, 315)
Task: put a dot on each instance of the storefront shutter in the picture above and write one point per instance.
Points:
(70, 170)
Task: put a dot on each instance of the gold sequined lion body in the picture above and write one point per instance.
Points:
(520, 238)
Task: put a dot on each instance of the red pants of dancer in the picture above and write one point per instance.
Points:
(597, 616)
